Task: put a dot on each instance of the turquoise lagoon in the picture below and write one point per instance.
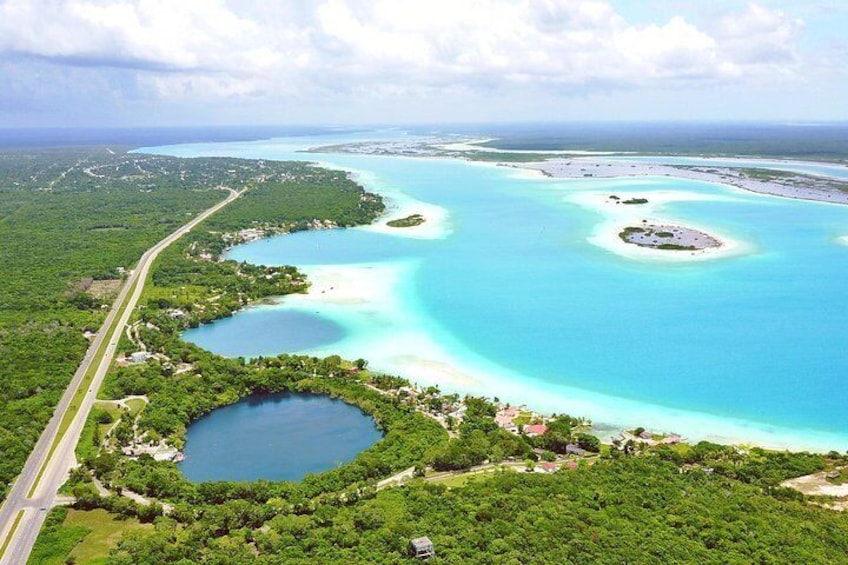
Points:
(512, 299)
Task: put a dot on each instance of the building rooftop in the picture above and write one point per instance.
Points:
(422, 547)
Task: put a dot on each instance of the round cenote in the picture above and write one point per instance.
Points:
(276, 437)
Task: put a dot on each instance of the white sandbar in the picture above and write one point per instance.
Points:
(619, 216)
(400, 205)
(729, 176)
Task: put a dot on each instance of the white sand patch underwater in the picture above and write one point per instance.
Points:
(520, 284)
(619, 216)
(369, 301)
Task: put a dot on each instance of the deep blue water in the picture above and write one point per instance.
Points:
(756, 339)
(278, 437)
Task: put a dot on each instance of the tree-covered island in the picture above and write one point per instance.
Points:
(668, 237)
(407, 222)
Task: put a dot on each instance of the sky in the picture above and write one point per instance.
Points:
(118, 63)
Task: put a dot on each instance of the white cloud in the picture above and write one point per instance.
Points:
(759, 37)
(214, 48)
(159, 34)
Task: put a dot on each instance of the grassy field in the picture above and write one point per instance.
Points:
(86, 536)
(135, 404)
(86, 444)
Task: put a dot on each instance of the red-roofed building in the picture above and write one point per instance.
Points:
(504, 420)
(548, 467)
(535, 429)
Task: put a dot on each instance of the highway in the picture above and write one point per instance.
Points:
(57, 465)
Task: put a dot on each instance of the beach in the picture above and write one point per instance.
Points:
(401, 205)
(436, 219)
(366, 299)
(398, 342)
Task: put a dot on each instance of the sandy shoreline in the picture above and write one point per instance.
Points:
(400, 205)
(581, 167)
(367, 300)
(436, 219)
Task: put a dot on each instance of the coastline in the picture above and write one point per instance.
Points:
(400, 205)
(589, 167)
(436, 218)
(368, 300)
(432, 364)
(371, 296)
(477, 145)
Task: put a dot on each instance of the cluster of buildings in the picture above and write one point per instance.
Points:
(253, 234)
(159, 451)
(508, 418)
(449, 411)
(646, 437)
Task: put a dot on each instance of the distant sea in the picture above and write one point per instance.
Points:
(790, 140)
(809, 141)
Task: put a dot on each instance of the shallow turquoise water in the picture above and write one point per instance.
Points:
(265, 331)
(278, 437)
(755, 338)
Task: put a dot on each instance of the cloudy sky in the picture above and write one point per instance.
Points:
(196, 62)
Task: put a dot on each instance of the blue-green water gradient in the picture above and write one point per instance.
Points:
(757, 337)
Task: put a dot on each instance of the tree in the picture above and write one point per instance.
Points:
(588, 442)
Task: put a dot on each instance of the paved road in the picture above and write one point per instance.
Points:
(63, 459)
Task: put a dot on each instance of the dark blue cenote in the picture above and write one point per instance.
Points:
(276, 437)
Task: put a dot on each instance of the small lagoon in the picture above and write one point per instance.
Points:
(266, 331)
(276, 437)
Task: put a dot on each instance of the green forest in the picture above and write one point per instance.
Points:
(72, 221)
(639, 510)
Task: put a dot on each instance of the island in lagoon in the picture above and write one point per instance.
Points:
(407, 222)
(668, 237)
